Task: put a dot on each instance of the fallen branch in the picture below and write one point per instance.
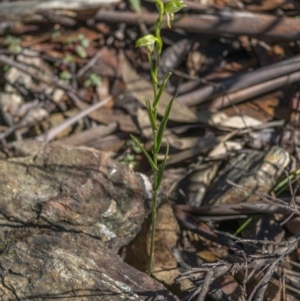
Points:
(282, 73)
(221, 22)
(19, 9)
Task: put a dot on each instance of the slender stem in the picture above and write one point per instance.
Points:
(154, 200)
(154, 66)
(154, 209)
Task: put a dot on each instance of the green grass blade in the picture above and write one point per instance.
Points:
(280, 187)
(154, 167)
(243, 226)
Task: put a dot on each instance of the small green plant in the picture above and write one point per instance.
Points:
(131, 149)
(13, 44)
(153, 44)
(78, 45)
(94, 80)
(65, 74)
(56, 34)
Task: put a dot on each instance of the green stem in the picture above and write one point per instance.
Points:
(154, 207)
(154, 200)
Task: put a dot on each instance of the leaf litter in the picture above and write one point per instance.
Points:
(71, 75)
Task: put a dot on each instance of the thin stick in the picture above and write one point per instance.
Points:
(53, 132)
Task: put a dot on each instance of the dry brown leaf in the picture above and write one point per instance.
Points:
(262, 109)
(142, 89)
(207, 255)
(31, 40)
(103, 91)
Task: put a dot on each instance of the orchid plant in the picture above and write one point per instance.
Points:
(153, 45)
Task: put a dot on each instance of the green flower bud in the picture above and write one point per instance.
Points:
(172, 7)
(148, 42)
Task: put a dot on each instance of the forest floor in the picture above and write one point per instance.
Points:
(72, 75)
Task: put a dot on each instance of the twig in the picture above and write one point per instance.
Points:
(90, 63)
(87, 136)
(53, 132)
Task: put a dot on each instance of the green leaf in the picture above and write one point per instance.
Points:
(15, 48)
(151, 115)
(65, 75)
(95, 79)
(85, 42)
(69, 58)
(80, 50)
(69, 41)
(154, 167)
(136, 4)
(56, 34)
(6, 67)
(163, 124)
(87, 83)
(162, 169)
(162, 88)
